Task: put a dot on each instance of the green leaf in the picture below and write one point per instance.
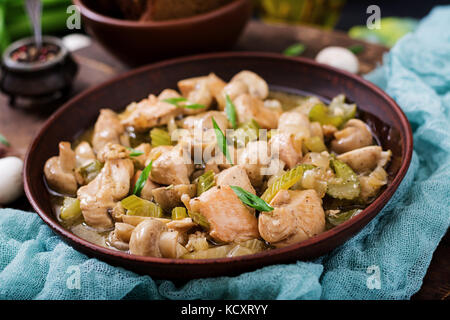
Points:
(135, 153)
(356, 48)
(221, 140)
(252, 200)
(188, 105)
(230, 110)
(294, 50)
(142, 179)
(4, 141)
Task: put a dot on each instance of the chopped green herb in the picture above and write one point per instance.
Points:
(294, 50)
(230, 110)
(135, 153)
(356, 48)
(251, 200)
(4, 141)
(142, 179)
(188, 105)
(221, 141)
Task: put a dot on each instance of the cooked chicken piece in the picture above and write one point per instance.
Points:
(204, 121)
(146, 149)
(354, 135)
(172, 167)
(149, 186)
(84, 154)
(254, 158)
(107, 129)
(218, 162)
(144, 240)
(364, 159)
(294, 123)
(229, 218)
(170, 197)
(200, 135)
(251, 108)
(201, 90)
(233, 90)
(149, 113)
(60, 171)
(113, 151)
(167, 94)
(99, 197)
(257, 86)
(196, 90)
(235, 176)
(287, 147)
(298, 215)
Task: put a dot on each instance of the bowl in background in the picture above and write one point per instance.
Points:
(294, 75)
(136, 43)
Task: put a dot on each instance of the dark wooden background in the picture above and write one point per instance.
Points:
(96, 66)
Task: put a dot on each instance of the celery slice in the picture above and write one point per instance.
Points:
(70, 209)
(179, 213)
(199, 219)
(286, 181)
(246, 132)
(337, 219)
(89, 171)
(140, 207)
(346, 183)
(321, 114)
(205, 182)
(315, 144)
(160, 137)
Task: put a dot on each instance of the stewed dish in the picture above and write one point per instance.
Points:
(216, 169)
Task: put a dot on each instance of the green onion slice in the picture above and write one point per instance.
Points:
(142, 179)
(188, 105)
(251, 200)
(230, 110)
(221, 141)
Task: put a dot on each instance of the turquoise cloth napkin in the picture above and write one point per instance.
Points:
(386, 260)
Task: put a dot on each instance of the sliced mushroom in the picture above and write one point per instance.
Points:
(363, 159)
(107, 129)
(354, 135)
(84, 154)
(145, 238)
(60, 171)
(170, 197)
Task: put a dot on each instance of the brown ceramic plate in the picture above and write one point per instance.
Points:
(295, 75)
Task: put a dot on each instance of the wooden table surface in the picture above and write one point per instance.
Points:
(96, 66)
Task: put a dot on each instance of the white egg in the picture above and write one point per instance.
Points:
(339, 57)
(11, 183)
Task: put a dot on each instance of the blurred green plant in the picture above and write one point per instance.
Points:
(14, 22)
(392, 29)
